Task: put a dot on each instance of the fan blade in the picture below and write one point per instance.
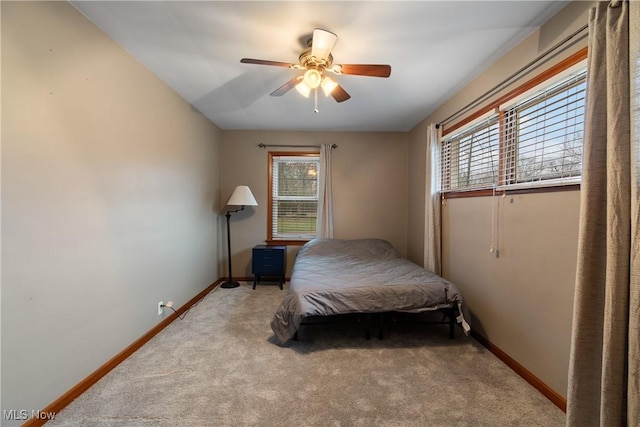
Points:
(264, 62)
(323, 42)
(371, 70)
(339, 94)
(286, 87)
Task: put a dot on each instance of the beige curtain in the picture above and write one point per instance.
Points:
(324, 225)
(603, 370)
(633, 388)
(432, 249)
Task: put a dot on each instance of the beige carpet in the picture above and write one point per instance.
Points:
(220, 367)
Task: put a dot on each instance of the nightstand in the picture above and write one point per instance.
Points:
(269, 261)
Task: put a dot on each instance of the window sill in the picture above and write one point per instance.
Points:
(284, 242)
(489, 192)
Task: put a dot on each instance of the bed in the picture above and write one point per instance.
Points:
(334, 277)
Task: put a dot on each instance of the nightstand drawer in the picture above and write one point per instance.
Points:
(268, 269)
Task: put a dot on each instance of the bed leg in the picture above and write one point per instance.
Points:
(452, 324)
(295, 336)
(367, 325)
(380, 326)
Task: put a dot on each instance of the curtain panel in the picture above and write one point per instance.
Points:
(603, 366)
(324, 225)
(633, 388)
(432, 240)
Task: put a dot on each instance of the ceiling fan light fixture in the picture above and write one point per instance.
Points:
(328, 85)
(303, 89)
(312, 78)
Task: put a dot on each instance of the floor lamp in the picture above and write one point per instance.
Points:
(242, 197)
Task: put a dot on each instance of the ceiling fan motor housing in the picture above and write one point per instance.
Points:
(311, 62)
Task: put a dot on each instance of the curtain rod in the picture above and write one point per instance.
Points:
(261, 145)
(514, 76)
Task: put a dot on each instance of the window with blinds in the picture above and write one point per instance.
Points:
(470, 159)
(544, 135)
(294, 196)
(534, 141)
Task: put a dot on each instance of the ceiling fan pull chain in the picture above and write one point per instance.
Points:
(315, 110)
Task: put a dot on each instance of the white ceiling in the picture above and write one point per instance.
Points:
(434, 49)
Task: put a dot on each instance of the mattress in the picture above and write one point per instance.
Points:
(332, 277)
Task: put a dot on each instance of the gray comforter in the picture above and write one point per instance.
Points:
(333, 276)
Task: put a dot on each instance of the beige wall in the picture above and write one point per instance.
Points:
(110, 193)
(417, 191)
(369, 186)
(522, 302)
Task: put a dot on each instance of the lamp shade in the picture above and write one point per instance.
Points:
(328, 85)
(312, 78)
(303, 89)
(242, 196)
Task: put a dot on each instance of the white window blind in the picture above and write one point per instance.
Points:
(295, 196)
(470, 159)
(533, 142)
(543, 136)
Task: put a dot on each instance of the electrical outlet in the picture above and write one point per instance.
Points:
(160, 308)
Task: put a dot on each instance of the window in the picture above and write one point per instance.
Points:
(546, 135)
(470, 159)
(293, 201)
(532, 140)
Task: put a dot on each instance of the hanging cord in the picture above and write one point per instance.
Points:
(499, 203)
(315, 110)
(493, 219)
(495, 224)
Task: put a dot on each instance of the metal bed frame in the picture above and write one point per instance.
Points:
(448, 318)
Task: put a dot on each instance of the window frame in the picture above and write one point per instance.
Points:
(271, 240)
(508, 98)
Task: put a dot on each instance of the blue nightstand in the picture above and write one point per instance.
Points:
(269, 261)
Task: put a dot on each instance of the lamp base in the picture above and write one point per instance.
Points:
(229, 284)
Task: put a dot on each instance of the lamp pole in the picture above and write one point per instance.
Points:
(230, 283)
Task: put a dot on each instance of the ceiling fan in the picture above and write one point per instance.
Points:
(317, 62)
